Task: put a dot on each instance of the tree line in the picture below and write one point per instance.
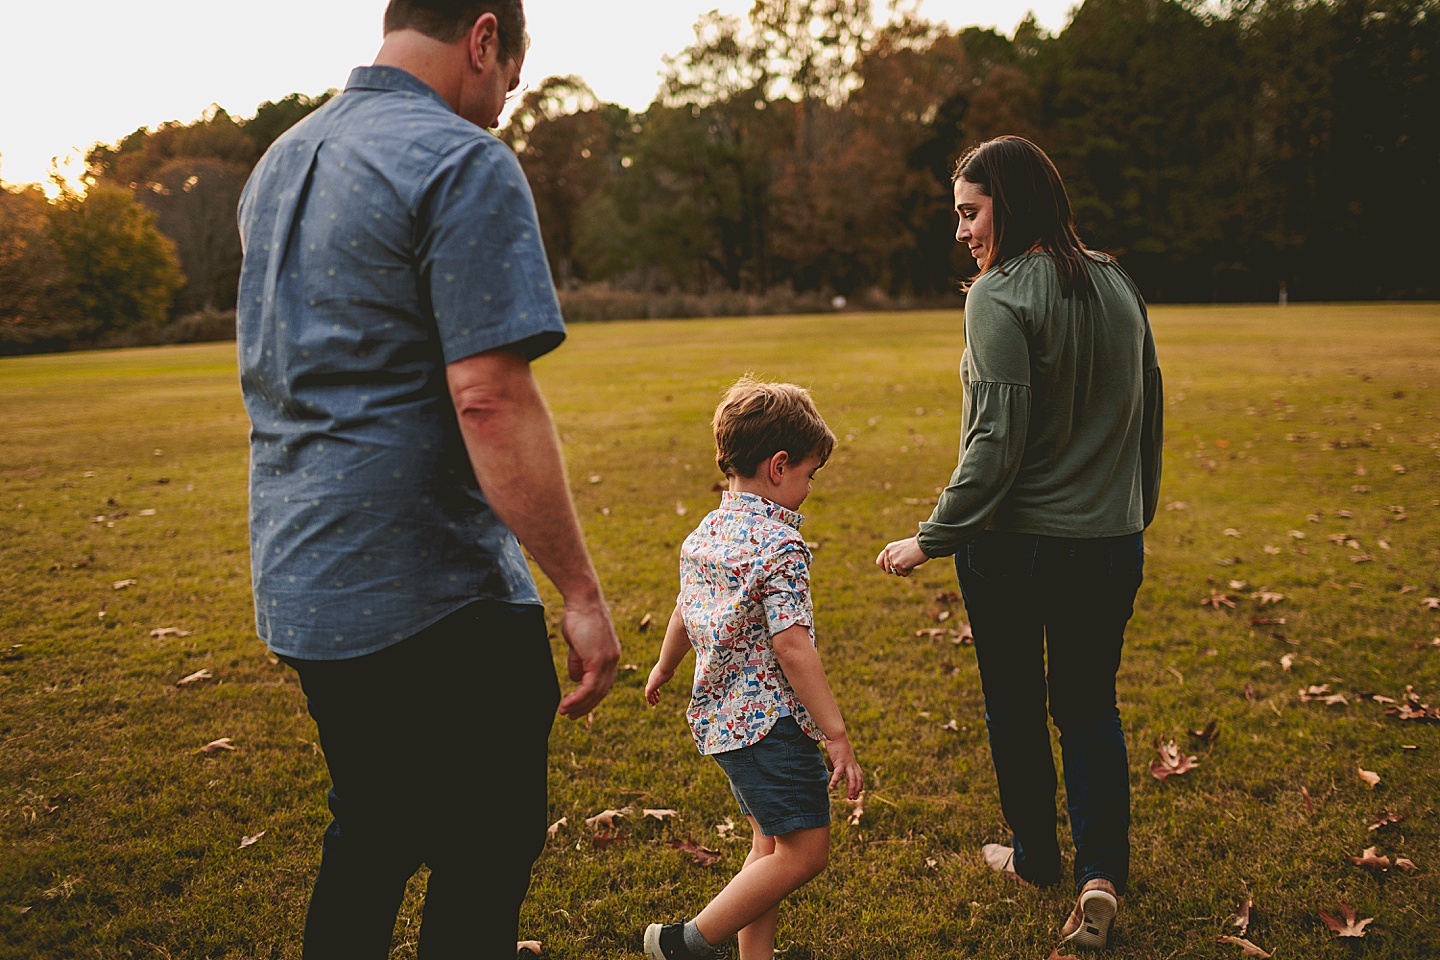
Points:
(1222, 151)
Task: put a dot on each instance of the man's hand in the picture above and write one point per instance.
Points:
(844, 764)
(901, 557)
(594, 654)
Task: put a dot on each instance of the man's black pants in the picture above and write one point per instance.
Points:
(437, 755)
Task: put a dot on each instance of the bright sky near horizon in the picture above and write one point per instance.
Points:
(86, 71)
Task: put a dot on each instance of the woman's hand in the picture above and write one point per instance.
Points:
(901, 557)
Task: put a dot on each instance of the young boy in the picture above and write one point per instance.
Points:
(760, 699)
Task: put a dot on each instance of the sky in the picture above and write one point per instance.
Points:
(77, 72)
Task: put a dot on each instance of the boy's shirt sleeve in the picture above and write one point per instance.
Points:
(785, 588)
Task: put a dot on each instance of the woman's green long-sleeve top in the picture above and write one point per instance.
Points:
(1063, 414)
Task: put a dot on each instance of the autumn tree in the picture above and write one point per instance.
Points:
(36, 309)
(194, 200)
(122, 269)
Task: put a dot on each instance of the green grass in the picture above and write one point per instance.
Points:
(121, 839)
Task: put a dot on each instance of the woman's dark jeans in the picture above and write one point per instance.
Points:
(437, 755)
(1039, 602)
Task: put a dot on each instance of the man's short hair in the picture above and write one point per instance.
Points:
(756, 420)
(449, 20)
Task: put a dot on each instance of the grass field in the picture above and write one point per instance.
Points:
(1303, 459)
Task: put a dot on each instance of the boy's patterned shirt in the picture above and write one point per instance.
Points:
(744, 577)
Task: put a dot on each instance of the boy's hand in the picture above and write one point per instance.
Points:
(658, 679)
(842, 759)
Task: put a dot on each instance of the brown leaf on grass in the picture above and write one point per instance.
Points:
(858, 811)
(680, 510)
(1309, 804)
(1386, 819)
(1231, 532)
(1372, 858)
(1321, 693)
(1242, 915)
(704, 856)
(1250, 691)
(251, 840)
(942, 615)
(603, 840)
(122, 584)
(1406, 864)
(1247, 948)
(1216, 600)
(1267, 596)
(659, 814)
(1055, 954)
(554, 828)
(606, 818)
(962, 635)
(947, 596)
(1238, 584)
(1369, 776)
(195, 677)
(1431, 603)
(1287, 661)
(169, 632)
(1170, 762)
(644, 623)
(1272, 549)
(533, 946)
(1348, 927)
(215, 746)
(950, 725)
(932, 632)
(1208, 733)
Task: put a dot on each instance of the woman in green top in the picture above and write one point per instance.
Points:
(1059, 475)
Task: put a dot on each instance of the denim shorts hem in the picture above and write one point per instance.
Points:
(809, 821)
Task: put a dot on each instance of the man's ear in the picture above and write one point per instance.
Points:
(483, 42)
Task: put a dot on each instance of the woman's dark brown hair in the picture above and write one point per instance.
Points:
(1031, 209)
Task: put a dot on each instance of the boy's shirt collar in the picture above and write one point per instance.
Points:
(754, 503)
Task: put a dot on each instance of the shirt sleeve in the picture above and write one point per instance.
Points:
(785, 589)
(997, 421)
(482, 264)
(1152, 436)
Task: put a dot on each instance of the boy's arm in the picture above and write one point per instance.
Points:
(672, 650)
(801, 662)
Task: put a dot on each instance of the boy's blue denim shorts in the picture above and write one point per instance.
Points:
(781, 781)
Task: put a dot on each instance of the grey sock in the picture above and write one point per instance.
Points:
(696, 943)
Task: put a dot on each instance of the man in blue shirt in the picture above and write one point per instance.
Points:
(393, 293)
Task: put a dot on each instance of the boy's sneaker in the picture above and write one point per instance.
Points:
(667, 942)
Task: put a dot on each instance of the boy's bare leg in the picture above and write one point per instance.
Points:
(757, 938)
(762, 883)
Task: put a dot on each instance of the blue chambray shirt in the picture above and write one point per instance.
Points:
(384, 237)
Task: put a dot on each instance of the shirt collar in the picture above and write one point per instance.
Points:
(754, 503)
(392, 80)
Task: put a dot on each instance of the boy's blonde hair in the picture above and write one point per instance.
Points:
(756, 420)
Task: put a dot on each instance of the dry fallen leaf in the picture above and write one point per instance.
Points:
(1369, 776)
(704, 856)
(169, 632)
(952, 726)
(122, 584)
(1246, 947)
(603, 840)
(962, 635)
(680, 510)
(644, 623)
(1431, 603)
(1406, 864)
(531, 945)
(1216, 600)
(1055, 954)
(554, 828)
(214, 746)
(1169, 762)
(1309, 804)
(858, 811)
(1287, 661)
(1242, 915)
(1373, 859)
(1385, 820)
(1348, 928)
(1208, 733)
(726, 829)
(659, 814)
(248, 841)
(607, 817)
(1267, 596)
